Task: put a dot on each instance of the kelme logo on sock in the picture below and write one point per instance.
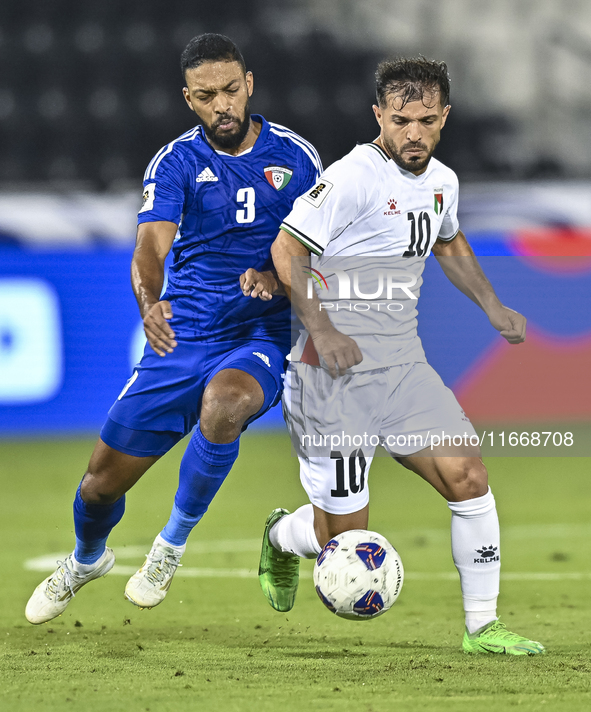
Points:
(487, 555)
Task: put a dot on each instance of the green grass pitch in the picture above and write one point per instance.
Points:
(215, 644)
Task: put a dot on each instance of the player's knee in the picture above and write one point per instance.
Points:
(232, 405)
(470, 480)
(98, 488)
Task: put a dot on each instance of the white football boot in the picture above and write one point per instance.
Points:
(51, 597)
(148, 586)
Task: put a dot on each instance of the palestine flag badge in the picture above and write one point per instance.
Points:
(438, 201)
(278, 176)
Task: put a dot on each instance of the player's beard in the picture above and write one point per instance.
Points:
(414, 164)
(229, 139)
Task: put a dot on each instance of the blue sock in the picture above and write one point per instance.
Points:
(204, 467)
(93, 524)
(179, 526)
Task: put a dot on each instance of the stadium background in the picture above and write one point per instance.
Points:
(90, 91)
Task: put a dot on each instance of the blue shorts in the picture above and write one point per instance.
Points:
(161, 402)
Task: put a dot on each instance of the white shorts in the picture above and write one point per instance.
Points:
(336, 425)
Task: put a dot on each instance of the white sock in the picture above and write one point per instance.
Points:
(294, 533)
(87, 568)
(163, 542)
(478, 619)
(475, 545)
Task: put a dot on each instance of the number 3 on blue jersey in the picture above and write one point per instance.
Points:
(246, 196)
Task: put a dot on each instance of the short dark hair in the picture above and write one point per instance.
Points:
(411, 79)
(210, 47)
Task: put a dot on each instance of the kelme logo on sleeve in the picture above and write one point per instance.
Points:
(278, 176)
(438, 201)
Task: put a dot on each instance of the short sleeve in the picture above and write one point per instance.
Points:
(450, 225)
(323, 212)
(164, 189)
(310, 168)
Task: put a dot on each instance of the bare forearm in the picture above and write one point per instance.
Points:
(283, 250)
(153, 243)
(291, 259)
(338, 351)
(461, 267)
(147, 278)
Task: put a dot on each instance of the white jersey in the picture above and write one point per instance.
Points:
(372, 223)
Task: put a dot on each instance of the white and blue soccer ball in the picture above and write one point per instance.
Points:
(358, 575)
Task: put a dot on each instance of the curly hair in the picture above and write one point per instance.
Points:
(411, 79)
(210, 47)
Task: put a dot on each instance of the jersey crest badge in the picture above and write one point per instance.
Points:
(278, 176)
(438, 201)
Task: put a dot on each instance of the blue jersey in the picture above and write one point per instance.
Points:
(229, 210)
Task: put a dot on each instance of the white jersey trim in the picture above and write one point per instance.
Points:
(155, 162)
(304, 145)
(448, 239)
(380, 150)
(299, 138)
(303, 140)
(303, 238)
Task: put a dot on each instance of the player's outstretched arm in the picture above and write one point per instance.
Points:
(461, 267)
(153, 243)
(338, 350)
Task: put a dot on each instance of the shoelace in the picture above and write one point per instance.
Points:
(161, 567)
(61, 580)
(284, 569)
(500, 629)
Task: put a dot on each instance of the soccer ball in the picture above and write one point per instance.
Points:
(358, 575)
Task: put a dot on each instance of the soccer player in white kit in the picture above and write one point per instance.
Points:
(363, 367)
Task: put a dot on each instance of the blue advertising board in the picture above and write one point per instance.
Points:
(70, 330)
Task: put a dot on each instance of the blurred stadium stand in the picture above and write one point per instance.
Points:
(90, 91)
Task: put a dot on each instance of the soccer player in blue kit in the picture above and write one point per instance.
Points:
(214, 357)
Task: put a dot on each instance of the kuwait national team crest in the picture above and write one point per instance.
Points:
(438, 201)
(278, 176)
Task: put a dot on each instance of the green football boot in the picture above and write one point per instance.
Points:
(279, 573)
(495, 638)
